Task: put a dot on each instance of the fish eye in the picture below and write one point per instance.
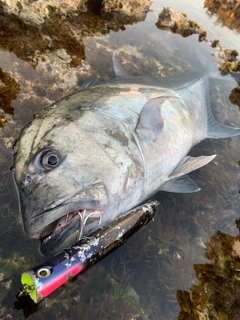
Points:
(51, 159)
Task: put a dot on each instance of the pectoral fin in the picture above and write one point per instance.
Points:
(150, 121)
(188, 164)
(179, 181)
(182, 184)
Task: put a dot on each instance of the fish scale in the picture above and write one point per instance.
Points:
(122, 141)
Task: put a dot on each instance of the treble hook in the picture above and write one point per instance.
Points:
(83, 219)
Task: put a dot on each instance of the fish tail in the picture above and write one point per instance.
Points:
(236, 77)
(216, 130)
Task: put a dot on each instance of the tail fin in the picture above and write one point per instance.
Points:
(217, 130)
(236, 77)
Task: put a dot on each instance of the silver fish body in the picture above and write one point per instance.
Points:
(101, 151)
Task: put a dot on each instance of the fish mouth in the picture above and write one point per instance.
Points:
(45, 222)
(83, 215)
(60, 227)
(69, 229)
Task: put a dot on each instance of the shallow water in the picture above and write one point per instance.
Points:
(139, 280)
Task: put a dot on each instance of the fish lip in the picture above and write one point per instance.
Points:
(61, 239)
(65, 234)
(34, 227)
(94, 198)
(68, 231)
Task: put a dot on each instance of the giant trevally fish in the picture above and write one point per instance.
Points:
(99, 152)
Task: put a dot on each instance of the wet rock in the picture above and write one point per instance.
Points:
(215, 43)
(48, 35)
(9, 89)
(227, 12)
(216, 295)
(229, 61)
(179, 23)
(235, 96)
(37, 11)
(128, 7)
(42, 27)
(34, 11)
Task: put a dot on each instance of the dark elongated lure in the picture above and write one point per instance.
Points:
(42, 280)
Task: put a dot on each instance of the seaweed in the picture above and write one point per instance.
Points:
(9, 89)
(227, 12)
(215, 43)
(55, 29)
(216, 295)
(234, 96)
(180, 23)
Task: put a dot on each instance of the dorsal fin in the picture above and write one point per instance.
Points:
(118, 69)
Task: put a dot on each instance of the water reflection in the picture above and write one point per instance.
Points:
(228, 12)
(49, 37)
(179, 23)
(61, 29)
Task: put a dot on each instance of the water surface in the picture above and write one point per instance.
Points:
(139, 280)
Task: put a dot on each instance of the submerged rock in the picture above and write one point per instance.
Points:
(9, 89)
(217, 294)
(235, 96)
(228, 63)
(50, 37)
(179, 23)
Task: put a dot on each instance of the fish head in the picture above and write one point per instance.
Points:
(72, 173)
(59, 180)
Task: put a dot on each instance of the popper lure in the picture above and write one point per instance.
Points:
(42, 280)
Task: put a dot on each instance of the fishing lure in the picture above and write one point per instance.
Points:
(42, 280)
